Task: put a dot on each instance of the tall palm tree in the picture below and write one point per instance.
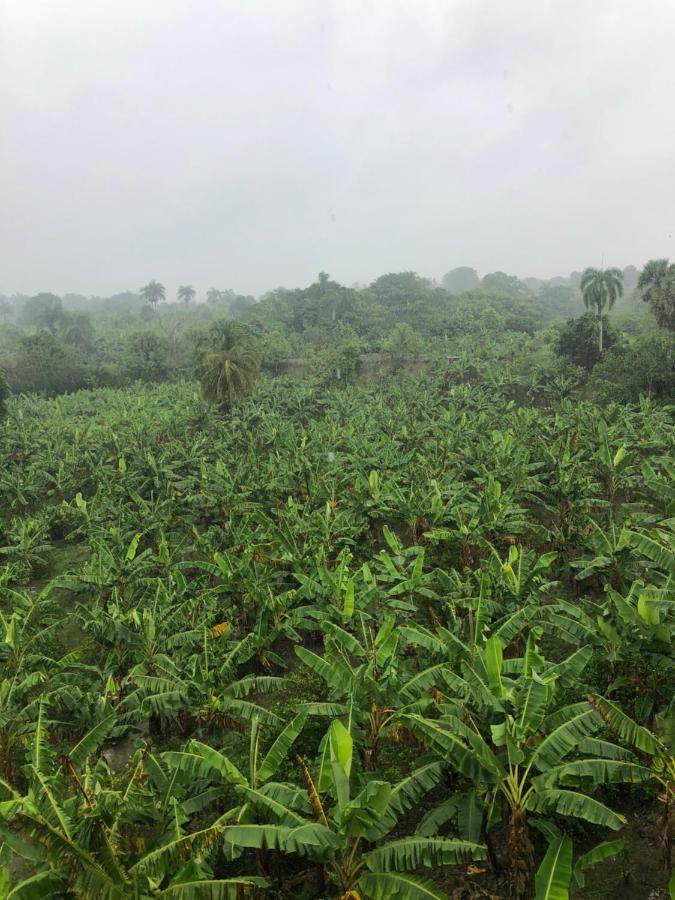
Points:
(153, 293)
(601, 288)
(214, 296)
(656, 286)
(186, 293)
(229, 366)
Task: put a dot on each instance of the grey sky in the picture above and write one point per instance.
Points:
(250, 144)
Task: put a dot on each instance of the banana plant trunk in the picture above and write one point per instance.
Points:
(668, 831)
(521, 857)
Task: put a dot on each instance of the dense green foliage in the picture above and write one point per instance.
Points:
(228, 364)
(578, 340)
(338, 635)
(601, 288)
(51, 345)
(657, 287)
(353, 641)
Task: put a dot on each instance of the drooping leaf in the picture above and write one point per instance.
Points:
(477, 764)
(623, 726)
(470, 816)
(37, 887)
(598, 854)
(405, 794)
(202, 761)
(573, 803)
(412, 852)
(434, 820)
(595, 771)
(272, 807)
(215, 889)
(398, 886)
(335, 673)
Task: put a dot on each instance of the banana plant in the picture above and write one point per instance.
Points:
(345, 829)
(28, 673)
(557, 871)
(209, 775)
(613, 465)
(27, 543)
(80, 833)
(366, 673)
(660, 748)
(658, 485)
(641, 624)
(400, 571)
(202, 690)
(490, 514)
(657, 546)
(519, 579)
(607, 553)
(525, 753)
(140, 634)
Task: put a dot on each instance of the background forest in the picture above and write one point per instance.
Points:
(497, 327)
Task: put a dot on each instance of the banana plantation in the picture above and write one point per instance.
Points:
(407, 641)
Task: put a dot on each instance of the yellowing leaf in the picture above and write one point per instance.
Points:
(348, 607)
(619, 457)
(647, 611)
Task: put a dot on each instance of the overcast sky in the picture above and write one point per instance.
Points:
(248, 144)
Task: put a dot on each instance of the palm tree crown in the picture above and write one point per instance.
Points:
(229, 366)
(186, 293)
(601, 288)
(153, 293)
(656, 286)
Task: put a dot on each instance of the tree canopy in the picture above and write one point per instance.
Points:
(656, 286)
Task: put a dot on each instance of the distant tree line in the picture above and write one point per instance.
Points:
(52, 345)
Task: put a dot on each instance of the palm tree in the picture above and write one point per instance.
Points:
(214, 296)
(153, 293)
(656, 286)
(229, 367)
(601, 288)
(186, 293)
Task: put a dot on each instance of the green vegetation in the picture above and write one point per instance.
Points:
(657, 286)
(601, 288)
(229, 365)
(522, 329)
(274, 625)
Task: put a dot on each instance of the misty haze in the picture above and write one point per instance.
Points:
(337, 450)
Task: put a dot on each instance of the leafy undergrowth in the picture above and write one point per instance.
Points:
(399, 641)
